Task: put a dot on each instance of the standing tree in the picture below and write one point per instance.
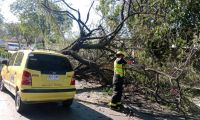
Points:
(33, 19)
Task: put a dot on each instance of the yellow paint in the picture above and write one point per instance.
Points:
(12, 75)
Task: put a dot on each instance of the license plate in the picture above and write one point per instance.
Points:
(53, 77)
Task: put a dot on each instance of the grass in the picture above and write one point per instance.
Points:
(108, 90)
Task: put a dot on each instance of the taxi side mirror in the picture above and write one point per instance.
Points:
(4, 62)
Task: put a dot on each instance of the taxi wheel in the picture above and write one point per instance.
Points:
(2, 87)
(67, 103)
(19, 105)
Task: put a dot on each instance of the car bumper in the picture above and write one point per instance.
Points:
(47, 95)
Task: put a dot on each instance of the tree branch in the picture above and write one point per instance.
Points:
(88, 14)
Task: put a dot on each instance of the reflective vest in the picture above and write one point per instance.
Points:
(118, 69)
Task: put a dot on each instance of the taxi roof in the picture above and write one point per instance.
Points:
(41, 52)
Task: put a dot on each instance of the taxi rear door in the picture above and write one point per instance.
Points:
(7, 76)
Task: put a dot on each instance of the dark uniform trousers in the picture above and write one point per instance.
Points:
(117, 89)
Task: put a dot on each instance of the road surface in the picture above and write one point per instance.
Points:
(51, 111)
(81, 109)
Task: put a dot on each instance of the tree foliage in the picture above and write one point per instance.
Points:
(1, 19)
(164, 34)
(44, 27)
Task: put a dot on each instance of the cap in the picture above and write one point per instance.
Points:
(120, 53)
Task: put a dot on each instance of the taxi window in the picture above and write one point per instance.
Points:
(12, 59)
(48, 64)
(18, 59)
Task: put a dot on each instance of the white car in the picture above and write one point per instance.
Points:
(13, 46)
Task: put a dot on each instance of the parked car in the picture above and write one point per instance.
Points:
(12, 46)
(35, 76)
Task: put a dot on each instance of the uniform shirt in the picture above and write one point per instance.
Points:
(120, 61)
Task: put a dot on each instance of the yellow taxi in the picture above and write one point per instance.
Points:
(35, 76)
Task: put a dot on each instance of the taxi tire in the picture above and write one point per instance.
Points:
(67, 103)
(2, 87)
(19, 105)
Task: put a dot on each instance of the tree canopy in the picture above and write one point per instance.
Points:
(44, 27)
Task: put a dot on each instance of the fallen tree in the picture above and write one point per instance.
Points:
(161, 78)
(87, 35)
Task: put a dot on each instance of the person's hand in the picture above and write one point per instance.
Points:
(130, 62)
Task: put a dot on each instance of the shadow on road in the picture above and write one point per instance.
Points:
(134, 111)
(146, 114)
(55, 111)
(79, 111)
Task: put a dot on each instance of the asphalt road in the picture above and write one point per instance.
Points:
(79, 110)
(50, 111)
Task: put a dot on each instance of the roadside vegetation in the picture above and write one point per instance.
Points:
(4, 54)
(164, 33)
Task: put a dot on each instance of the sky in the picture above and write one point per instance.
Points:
(5, 10)
(82, 5)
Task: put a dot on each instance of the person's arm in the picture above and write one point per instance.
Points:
(122, 61)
